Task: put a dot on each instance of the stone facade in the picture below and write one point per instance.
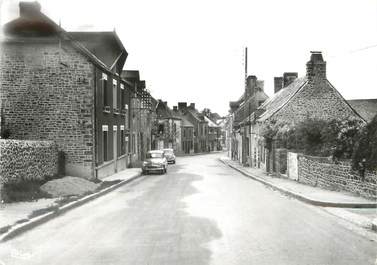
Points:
(47, 95)
(308, 97)
(65, 87)
(325, 173)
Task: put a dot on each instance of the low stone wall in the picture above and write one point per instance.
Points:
(339, 176)
(27, 160)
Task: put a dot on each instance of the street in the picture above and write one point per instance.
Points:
(200, 212)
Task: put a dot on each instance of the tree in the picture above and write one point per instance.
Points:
(365, 151)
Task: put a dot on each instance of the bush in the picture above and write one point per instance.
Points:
(315, 137)
(366, 148)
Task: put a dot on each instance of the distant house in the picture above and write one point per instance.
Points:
(200, 126)
(367, 108)
(240, 111)
(168, 128)
(311, 96)
(214, 135)
(141, 114)
(66, 87)
(186, 133)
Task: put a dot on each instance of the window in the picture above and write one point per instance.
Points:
(105, 142)
(122, 140)
(115, 95)
(133, 143)
(122, 96)
(104, 90)
(115, 141)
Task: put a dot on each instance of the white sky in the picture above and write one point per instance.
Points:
(193, 50)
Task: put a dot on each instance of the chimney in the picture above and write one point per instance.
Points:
(182, 105)
(29, 9)
(260, 85)
(316, 67)
(278, 83)
(251, 83)
(192, 106)
(288, 78)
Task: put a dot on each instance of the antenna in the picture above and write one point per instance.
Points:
(245, 66)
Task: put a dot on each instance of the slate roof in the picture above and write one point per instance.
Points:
(210, 122)
(185, 122)
(366, 108)
(276, 102)
(104, 45)
(33, 23)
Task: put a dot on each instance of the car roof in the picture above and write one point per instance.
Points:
(155, 151)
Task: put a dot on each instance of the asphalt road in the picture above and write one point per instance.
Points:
(201, 212)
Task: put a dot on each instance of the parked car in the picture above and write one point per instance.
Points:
(170, 156)
(155, 162)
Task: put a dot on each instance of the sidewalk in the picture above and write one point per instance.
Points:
(18, 217)
(342, 204)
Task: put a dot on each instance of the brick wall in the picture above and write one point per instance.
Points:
(27, 160)
(47, 94)
(324, 173)
(317, 99)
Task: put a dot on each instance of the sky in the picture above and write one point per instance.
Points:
(193, 51)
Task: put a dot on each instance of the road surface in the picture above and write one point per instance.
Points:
(201, 212)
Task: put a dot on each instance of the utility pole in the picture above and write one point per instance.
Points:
(245, 67)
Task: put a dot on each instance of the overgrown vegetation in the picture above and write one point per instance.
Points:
(365, 151)
(316, 137)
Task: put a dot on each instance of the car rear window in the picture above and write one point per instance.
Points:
(154, 155)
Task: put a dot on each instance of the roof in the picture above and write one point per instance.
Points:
(105, 45)
(210, 122)
(276, 102)
(130, 75)
(163, 111)
(366, 108)
(185, 122)
(33, 23)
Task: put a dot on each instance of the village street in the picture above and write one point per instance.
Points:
(201, 212)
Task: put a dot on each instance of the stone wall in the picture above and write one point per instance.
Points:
(27, 160)
(339, 176)
(47, 94)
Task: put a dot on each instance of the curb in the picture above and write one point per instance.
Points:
(34, 222)
(301, 197)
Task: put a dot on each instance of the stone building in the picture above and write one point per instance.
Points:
(168, 128)
(141, 117)
(214, 135)
(186, 133)
(196, 118)
(311, 96)
(240, 112)
(66, 87)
